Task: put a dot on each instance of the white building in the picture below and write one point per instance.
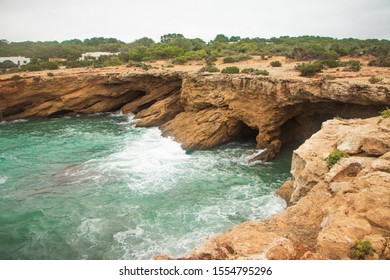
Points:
(85, 56)
(18, 60)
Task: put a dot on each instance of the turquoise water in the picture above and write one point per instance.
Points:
(96, 187)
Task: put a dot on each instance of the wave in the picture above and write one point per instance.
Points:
(3, 179)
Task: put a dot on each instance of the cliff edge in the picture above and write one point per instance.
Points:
(331, 209)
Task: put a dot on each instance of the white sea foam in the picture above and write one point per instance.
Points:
(14, 121)
(3, 179)
(148, 163)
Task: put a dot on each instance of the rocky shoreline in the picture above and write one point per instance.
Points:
(329, 209)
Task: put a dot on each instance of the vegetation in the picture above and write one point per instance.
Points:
(352, 65)
(253, 71)
(231, 70)
(309, 69)
(276, 63)
(329, 77)
(16, 78)
(380, 62)
(334, 157)
(375, 80)
(385, 113)
(179, 49)
(236, 58)
(50, 74)
(361, 250)
(209, 68)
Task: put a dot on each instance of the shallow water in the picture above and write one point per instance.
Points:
(96, 187)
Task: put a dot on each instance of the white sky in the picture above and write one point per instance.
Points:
(49, 20)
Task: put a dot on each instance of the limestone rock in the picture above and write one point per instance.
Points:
(285, 191)
(331, 210)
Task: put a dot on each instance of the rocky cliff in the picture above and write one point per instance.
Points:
(200, 111)
(331, 210)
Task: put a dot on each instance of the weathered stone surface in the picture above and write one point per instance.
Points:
(285, 191)
(220, 107)
(338, 207)
(85, 93)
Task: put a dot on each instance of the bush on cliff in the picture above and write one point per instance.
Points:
(253, 71)
(334, 157)
(380, 62)
(361, 250)
(385, 113)
(276, 63)
(16, 78)
(209, 68)
(374, 80)
(309, 69)
(236, 58)
(231, 70)
(352, 65)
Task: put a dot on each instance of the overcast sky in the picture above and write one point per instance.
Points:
(49, 20)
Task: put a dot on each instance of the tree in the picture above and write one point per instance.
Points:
(170, 37)
(144, 41)
(234, 39)
(221, 38)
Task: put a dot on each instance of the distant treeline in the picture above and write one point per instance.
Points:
(180, 49)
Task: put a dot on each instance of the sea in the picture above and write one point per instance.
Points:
(98, 187)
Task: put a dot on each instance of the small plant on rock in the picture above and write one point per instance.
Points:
(231, 70)
(361, 250)
(50, 74)
(276, 63)
(209, 68)
(309, 69)
(385, 113)
(375, 80)
(16, 78)
(334, 157)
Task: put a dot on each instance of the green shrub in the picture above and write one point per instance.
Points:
(229, 59)
(50, 74)
(36, 79)
(253, 71)
(385, 113)
(180, 60)
(361, 250)
(209, 68)
(309, 69)
(146, 67)
(50, 65)
(231, 70)
(16, 78)
(31, 67)
(236, 58)
(261, 72)
(330, 63)
(334, 157)
(276, 63)
(352, 65)
(329, 77)
(380, 62)
(375, 80)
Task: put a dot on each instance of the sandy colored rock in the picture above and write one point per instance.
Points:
(337, 208)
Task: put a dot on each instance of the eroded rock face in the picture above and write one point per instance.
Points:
(278, 110)
(201, 111)
(331, 209)
(86, 93)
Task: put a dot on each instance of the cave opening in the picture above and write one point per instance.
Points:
(246, 133)
(307, 118)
